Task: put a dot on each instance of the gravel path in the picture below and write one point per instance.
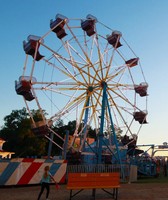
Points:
(133, 191)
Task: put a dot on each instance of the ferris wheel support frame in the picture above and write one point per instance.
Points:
(105, 104)
(85, 121)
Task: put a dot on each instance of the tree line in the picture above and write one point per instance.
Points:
(21, 140)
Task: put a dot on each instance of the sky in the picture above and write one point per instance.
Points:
(143, 23)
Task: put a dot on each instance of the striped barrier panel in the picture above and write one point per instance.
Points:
(24, 171)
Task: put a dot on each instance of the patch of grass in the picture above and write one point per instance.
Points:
(159, 179)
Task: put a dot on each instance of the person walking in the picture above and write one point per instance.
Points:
(45, 182)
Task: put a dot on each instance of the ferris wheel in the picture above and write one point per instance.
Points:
(85, 71)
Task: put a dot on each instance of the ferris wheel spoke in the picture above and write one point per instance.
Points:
(81, 72)
(110, 63)
(121, 116)
(117, 73)
(123, 98)
(68, 74)
(65, 69)
(69, 47)
(78, 68)
(69, 107)
(76, 101)
(81, 69)
(97, 95)
(100, 66)
(88, 59)
(95, 112)
(77, 41)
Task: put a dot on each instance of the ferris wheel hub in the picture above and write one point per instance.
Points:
(90, 89)
(103, 84)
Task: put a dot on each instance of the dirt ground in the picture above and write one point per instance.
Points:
(133, 191)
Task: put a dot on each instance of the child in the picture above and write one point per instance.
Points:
(45, 182)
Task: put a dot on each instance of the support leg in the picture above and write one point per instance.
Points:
(94, 193)
(116, 194)
(70, 195)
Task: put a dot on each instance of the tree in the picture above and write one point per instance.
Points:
(19, 137)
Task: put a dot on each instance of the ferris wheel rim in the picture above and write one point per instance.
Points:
(87, 76)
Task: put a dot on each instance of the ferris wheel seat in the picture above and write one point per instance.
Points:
(40, 131)
(141, 89)
(35, 38)
(23, 87)
(143, 121)
(30, 48)
(90, 32)
(134, 152)
(125, 139)
(131, 142)
(132, 62)
(29, 96)
(140, 117)
(57, 27)
(114, 39)
(40, 128)
(89, 16)
(61, 34)
(88, 26)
